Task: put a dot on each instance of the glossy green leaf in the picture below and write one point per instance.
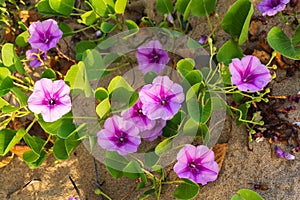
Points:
(237, 20)
(103, 108)
(187, 190)
(94, 64)
(296, 37)
(21, 97)
(164, 146)
(4, 72)
(9, 138)
(184, 7)
(115, 163)
(107, 27)
(6, 85)
(287, 47)
(133, 170)
(246, 194)
(22, 39)
(66, 129)
(184, 66)
(203, 7)
(63, 7)
(131, 25)
(30, 156)
(3, 103)
(37, 163)
(53, 127)
(101, 93)
(118, 82)
(77, 78)
(65, 28)
(88, 18)
(10, 58)
(172, 126)
(164, 6)
(49, 73)
(63, 148)
(44, 8)
(34, 142)
(103, 7)
(9, 109)
(228, 51)
(82, 46)
(120, 6)
(194, 77)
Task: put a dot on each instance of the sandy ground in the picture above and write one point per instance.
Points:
(241, 168)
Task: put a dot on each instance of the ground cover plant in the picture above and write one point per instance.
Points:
(143, 97)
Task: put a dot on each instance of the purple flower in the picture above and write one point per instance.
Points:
(271, 7)
(162, 99)
(72, 198)
(44, 35)
(170, 18)
(249, 74)
(136, 115)
(119, 135)
(51, 98)
(197, 164)
(155, 131)
(152, 57)
(281, 154)
(203, 40)
(35, 57)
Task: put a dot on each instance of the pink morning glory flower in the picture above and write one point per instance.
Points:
(162, 99)
(136, 115)
(249, 74)
(119, 135)
(152, 57)
(271, 7)
(281, 154)
(196, 164)
(44, 35)
(50, 98)
(35, 56)
(155, 131)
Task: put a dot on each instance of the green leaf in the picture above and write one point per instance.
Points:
(120, 6)
(34, 142)
(30, 156)
(194, 77)
(149, 77)
(6, 85)
(101, 93)
(296, 37)
(63, 7)
(172, 126)
(22, 39)
(107, 27)
(184, 66)
(151, 158)
(278, 40)
(66, 129)
(228, 51)
(203, 7)
(63, 148)
(82, 46)
(103, 7)
(53, 127)
(245, 194)
(164, 146)
(9, 109)
(3, 103)
(4, 72)
(94, 64)
(49, 73)
(9, 138)
(184, 7)
(21, 97)
(115, 163)
(133, 170)
(131, 25)
(187, 190)
(10, 58)
(193, 44)
(164, 6)
(103, 108)
(88, 18)
(39, 161)
(45, 9)
(118, 82)
(65, 28)
(237, 20)
(77, 78)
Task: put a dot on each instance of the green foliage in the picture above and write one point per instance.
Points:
(279, 41)
(10, 58)
(164, 6)
(63, 7)
(22, 39)
(65, 28)
(120, 6)
(228, 51)
(9, 138)
(88, 18)
(44, 8)
(203, 7)
(103, 7)
(63, 148)
(107, 27)
(82, 46)
(187, 190)
(245, 194)
(49, 73)
(184, 7)
(172, 126)
(237, 20)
